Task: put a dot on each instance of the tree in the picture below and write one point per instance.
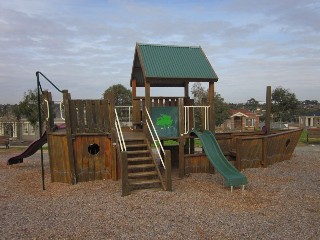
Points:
(122, 95)
(252, 104)
(284, 104)
(28, 107)
(221, 109)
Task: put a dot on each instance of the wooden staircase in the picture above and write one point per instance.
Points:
(142, 169)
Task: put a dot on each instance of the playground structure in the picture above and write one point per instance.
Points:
(93, 145)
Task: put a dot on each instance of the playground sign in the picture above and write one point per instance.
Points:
(166, 121)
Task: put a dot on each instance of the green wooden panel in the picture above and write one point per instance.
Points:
(166, 121)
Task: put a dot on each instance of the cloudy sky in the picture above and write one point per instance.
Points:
(86, 46)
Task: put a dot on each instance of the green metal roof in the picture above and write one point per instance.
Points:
(165, 65)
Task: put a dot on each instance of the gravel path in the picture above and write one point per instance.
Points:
(280, 202)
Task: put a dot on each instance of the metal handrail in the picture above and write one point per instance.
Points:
(119, 132)
(61, 110)
(153, 138)
(129, 112)
(48, 112)
(187, 115)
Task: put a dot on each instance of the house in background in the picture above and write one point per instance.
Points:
(22, 130)
(241, 120)
(311, 119)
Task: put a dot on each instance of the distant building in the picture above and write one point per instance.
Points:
(312, 119)
(241, 119)
(21, 130)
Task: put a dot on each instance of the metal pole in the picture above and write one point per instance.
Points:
(40, 129)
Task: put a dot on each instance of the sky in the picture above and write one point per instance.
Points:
(86, 46)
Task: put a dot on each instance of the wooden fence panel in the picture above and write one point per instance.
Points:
(90, 166)
(59, 159)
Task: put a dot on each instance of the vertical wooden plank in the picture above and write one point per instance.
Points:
(181, 116)
(91, 158)
(238, 150)
(52, 160)
(181, 157)
(186, 89)
(97, 114)
(168, 180)
(160, 102)
(66, 101)
(89, 116)
(106, 120)
(268, 109)
(111, 108)
(134, 87)
(203, 103)
(136, 110)
(74, 117)
(81, 122)
(264, 151)
(211, 109)
(124, 174)
(78, 158)
(147, 95)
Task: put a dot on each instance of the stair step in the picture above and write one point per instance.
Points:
(138, 152)
(136, 145)
(139, 166)
(142, 174)
(138, 159)
(143, 182)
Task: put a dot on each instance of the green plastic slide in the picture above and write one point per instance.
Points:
(232, 177)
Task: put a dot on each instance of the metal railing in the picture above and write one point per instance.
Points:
(119, 133)
(128, 110)
(187, 126)
(155, 138)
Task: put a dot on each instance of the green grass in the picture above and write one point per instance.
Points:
(303, 139)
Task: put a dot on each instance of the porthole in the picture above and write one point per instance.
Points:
(287, 142)
(93, 149)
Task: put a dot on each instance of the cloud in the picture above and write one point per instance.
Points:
(86, 47)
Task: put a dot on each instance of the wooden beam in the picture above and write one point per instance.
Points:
(186, 89)
(124, 174)
(211, 109)
(134, 87)
(167, 161)
(66, 101)
(181, 157)
(147, 95)
(268, 109)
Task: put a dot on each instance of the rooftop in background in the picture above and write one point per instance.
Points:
(167, 65)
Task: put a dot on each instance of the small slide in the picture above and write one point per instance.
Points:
(32, 148)
(232, 177)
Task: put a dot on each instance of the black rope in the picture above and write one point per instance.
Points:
(37, 73)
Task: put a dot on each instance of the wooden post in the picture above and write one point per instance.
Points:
(181, 138)
(268, 109)
(211, 109)
(186, 90)
(203, 115)
(124, 174)
(147, 104)
(167, 162)
(181, 157)
(134, 87)
(66, 101)
(112, 130)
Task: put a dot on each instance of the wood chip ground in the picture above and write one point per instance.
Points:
(280, 202)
